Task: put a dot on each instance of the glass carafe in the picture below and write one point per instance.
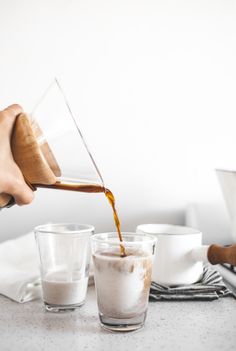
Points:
(50, 150)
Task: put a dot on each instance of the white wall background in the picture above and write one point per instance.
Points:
(154, 84)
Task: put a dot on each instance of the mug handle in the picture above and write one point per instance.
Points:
(220, 254)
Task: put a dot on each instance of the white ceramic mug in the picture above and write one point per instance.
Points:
(180, 254)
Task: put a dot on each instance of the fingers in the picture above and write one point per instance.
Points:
(13, 110)
(21, 192)
(23, 195)
(11, 181)
(9, 114)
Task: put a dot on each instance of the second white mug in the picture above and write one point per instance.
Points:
(175, 262)
(180, 254)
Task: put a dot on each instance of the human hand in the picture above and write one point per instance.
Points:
(11, 179)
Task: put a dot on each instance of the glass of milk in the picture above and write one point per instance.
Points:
(64, 252)
(122, 283)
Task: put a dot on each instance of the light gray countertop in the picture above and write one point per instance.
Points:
(169, 326)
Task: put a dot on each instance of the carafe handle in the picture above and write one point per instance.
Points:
(219, 254)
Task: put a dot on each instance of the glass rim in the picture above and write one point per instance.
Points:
(167, 229)
(43, 229)
(99, 239)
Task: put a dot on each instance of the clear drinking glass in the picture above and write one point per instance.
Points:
(122, 283)
(64, 252)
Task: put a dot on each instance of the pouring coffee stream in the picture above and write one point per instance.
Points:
(111, 200)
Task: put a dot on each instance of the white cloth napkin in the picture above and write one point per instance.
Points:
(19, 272)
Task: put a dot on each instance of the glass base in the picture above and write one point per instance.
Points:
(123, 324)
(62, 308)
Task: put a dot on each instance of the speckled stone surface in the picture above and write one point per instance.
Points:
(171, 326)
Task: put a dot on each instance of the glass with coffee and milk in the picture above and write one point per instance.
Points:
(122, 282)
